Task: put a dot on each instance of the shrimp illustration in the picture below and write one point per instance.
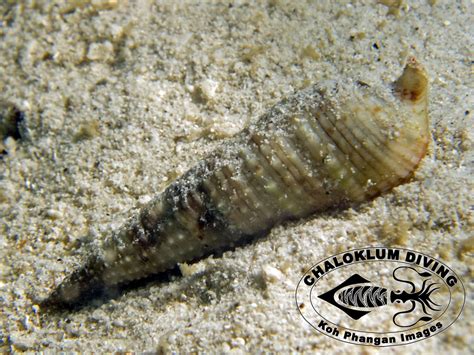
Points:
(356, 298)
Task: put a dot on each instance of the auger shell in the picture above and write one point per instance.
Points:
(334, 144)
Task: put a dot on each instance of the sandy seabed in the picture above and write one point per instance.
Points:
(116, 99)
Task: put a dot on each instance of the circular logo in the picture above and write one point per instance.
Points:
(380, 296)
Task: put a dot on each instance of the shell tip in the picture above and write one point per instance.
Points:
(78, 288)
(412, 85)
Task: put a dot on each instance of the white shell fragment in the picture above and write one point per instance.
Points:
(271, 274)
(332, 145)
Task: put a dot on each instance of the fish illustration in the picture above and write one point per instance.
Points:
(355, 298)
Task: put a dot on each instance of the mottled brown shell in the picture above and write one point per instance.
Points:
(333, 144)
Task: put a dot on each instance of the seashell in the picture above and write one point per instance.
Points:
(332, 145)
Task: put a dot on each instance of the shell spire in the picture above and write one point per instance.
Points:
(334, 144)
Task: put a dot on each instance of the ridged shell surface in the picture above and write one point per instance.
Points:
(336, 143)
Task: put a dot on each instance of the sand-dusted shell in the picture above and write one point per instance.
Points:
(336, 143)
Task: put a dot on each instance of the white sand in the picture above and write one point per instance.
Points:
(121, 97)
